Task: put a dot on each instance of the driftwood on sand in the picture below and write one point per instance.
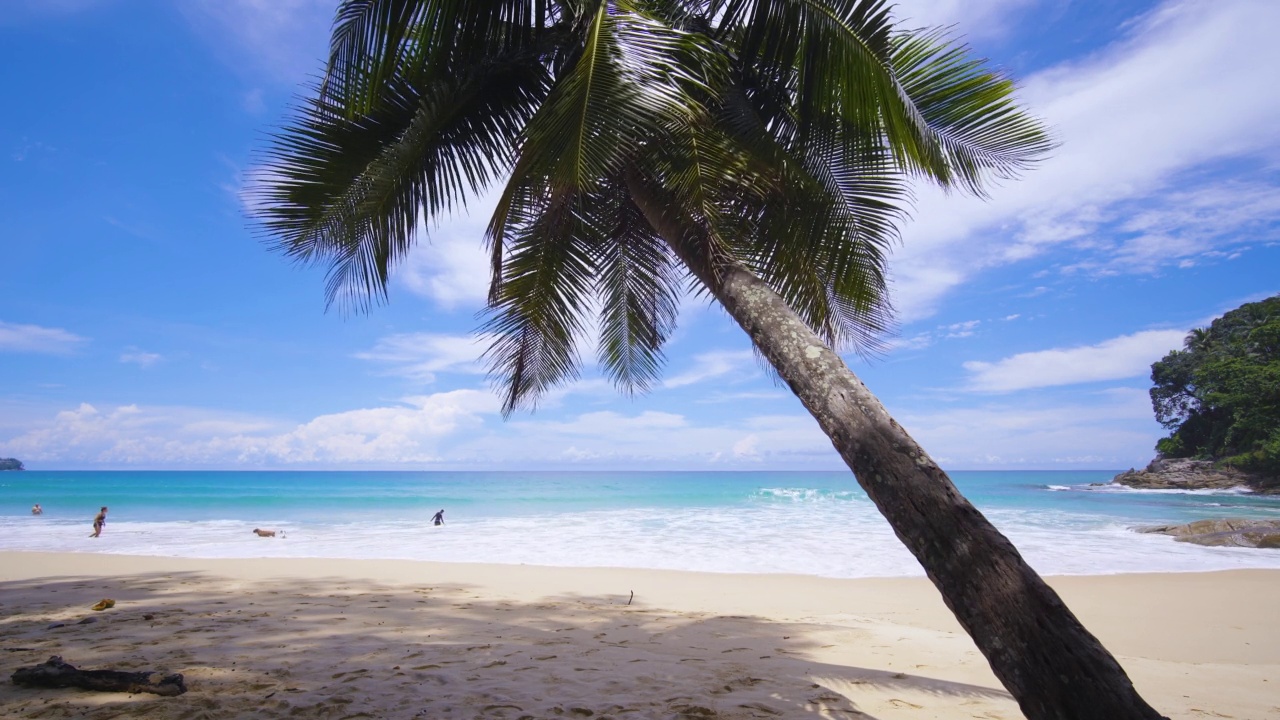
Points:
(54, 673)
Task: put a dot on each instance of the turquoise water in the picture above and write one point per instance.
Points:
(810, 523)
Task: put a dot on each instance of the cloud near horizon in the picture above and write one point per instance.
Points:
(147, 436)
(461, 429)
(1111, 429)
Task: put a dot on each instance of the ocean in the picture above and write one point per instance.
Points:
(811, 523)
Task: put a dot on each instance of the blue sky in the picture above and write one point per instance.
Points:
(144, 325)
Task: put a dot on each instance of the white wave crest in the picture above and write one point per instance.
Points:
(806, 495)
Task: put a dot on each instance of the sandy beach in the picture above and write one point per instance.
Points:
(399, 639)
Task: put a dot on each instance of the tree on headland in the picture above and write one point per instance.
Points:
(1220, 395)
(758, 151)
(11, 464)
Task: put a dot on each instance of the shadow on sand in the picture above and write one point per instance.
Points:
(337, 648)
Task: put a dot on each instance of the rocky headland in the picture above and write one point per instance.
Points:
(1225, 532)
(11, 464)
(1186, 474)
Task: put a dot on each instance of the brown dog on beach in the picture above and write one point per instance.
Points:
(264, 533)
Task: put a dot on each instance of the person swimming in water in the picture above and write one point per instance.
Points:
(438, 518)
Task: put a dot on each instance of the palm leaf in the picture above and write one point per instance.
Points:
(969, 108)
(536, 314)
(834, 58)
(374, 41)
(629, 78)
(351, 191)
(638, 286)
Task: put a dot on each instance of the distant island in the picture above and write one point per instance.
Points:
(11, 464)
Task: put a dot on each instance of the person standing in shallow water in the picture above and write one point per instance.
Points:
(98, 521)
(37, 510)
(438, 518)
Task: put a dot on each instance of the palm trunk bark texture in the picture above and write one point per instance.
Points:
(1053, 667)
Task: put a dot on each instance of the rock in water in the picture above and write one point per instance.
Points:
(1186, 474)
(1227, 532)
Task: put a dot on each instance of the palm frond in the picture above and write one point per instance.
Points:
(632, 76)
(638, 286)
(374, 41)
(351, 191)
(969, 108)
(536, 316)
(828, 267)
(366, 49)
(816, 222)
(825, 58)
(778, 135)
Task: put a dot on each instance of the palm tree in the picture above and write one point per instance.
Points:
(1198, 340)
(758, 151)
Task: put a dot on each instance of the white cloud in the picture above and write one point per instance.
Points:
(16, 337)
(449, 265)
(410, 432)
(919, 341)
(406, 433)
(448, 428)
(419, 356)
(1139, 123)
(1122, 357)
(140, 358)
(1113, 428)
(286, 40)
(452, 270)
(953, 331)
(961, 329)
(747, 448)
(1186, 228)
(1109, 430)
(607, 424)
(712, 365)
(977, 18)
(652, 438)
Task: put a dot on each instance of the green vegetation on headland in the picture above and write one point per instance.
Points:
(11, 464)
(1220, 395)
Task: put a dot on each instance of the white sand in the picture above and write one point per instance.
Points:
(392, 639)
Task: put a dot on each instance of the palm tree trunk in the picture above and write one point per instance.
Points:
(1045, 658)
